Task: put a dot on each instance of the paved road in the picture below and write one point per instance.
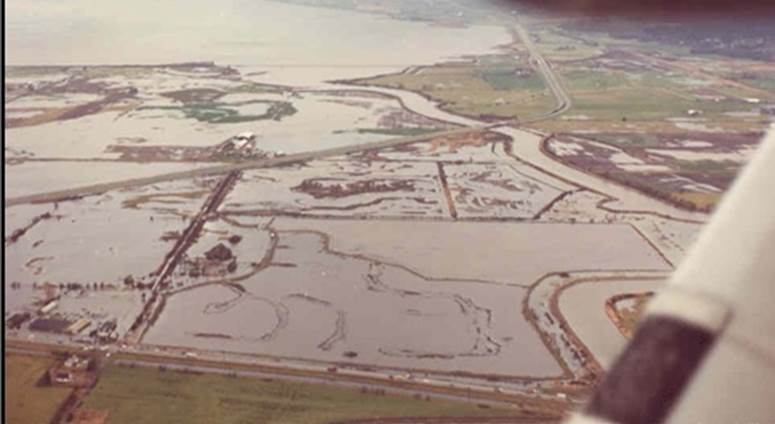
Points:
(564, 102)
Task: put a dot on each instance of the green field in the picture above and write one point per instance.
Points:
(148, 395)
(27, 402)
(643, 101)
(494, 86)
(558, 47)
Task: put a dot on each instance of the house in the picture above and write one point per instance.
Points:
(62, 377)
(241, 144)
(73, 371)
(245, 140)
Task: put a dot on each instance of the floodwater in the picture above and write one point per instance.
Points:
(297, 44)
(397, 293)
(98, 238)
(319, 305)
(321, 121)
(511, 253)
(342, 188)
(268, 41)
(583, 306)
(41, 177)
(497, 190)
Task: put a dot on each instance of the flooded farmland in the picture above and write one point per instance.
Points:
(583, 306)
(328, 295)
(341, 188)
(351, 191)
(40, 177)
(509, 253)
(317, 304)
(80, 253)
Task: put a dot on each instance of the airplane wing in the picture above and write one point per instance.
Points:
(705, 349)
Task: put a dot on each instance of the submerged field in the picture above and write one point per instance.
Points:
(132, 395)
(430, 265)
(391, 294)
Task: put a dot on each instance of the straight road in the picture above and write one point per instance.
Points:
(564, 102)
(154, 305)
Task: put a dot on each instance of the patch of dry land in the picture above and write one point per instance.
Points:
(29, 399)
(491, 87)
(132, 395)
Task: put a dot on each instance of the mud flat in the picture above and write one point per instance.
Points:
(326, 306)
(510, 253)
(583, 307)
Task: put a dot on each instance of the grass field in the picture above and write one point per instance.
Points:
(495, 86)
(25, 401)
(148, 395)
(644, 101)
(558, 47)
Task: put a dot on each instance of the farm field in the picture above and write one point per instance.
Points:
(492, 87)
(28, 397)
(138, 394)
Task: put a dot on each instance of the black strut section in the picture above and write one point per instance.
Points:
(650, 375)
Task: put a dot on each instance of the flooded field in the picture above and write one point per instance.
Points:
(341, 188)
(371, 293)
(509, 253)
(314, 303)
(81, 253)
(500, 190)
(583, 307)
(454, 255)
(199, 114)
(40, 177)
